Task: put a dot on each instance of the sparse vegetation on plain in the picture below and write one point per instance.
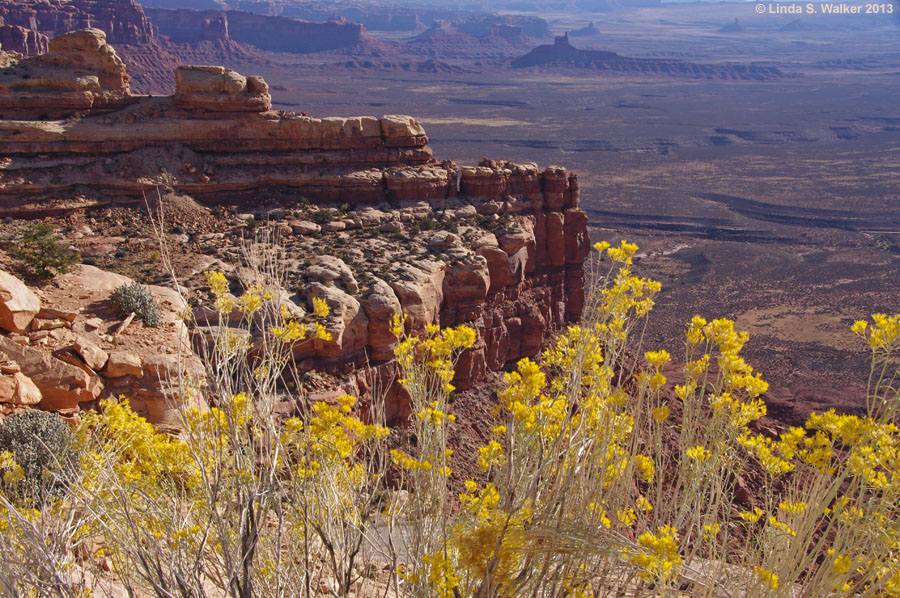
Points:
(596, 480)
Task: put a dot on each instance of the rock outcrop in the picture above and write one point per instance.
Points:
(272, 33)
(217, 89)
(81, 73)
(14, 38)
(123, 21)
(18, 304)
(499, 246)
(64, 349)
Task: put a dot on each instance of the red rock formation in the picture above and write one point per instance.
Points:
(62, 349)
(14, 38)
(123, 21)
(80, 74)
(513, 268)
(272, 33)
(561, 54)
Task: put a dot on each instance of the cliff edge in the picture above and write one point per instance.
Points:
(368, 220)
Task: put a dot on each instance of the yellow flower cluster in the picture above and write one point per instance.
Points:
(142, 454)
(766, 577)
(698, 453)
(435, 416)
(491, 537)
(438, 350)
(766, 452)
(12, 471)
(659, 560)
(490, 455)
(885, 333)
(441, 574)
(644, 465)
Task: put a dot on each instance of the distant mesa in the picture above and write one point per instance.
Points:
(733, 27)
(588, 31)
(270, 33)
(444, 39)
(482, 25)
(561, 54)
(152, 42)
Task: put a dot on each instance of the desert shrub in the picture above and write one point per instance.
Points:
(136, 298)
(40, 444)
(596, 479)
(43, 252)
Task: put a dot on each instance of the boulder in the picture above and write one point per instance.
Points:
(62, 385)
(331, 269)
(19, 389)
(93, 356)
(420, 288)
(346, 322)
(18, 304)
(499, 268)
(123, 363)
(218, 89)
(80, 73)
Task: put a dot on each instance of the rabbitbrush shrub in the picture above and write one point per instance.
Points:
(595, 479)
(136, 298)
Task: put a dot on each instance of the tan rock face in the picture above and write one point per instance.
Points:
(18, 304)
(123, 363)
(217, 89)
(80, 73)
(94, 357)
(14, 38)
(62, 385)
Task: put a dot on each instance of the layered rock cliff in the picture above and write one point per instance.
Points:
(272, 33)
(123, 21)
(371, 222)
(14, 38)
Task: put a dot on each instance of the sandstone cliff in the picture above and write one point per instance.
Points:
(14, 38)
(123, 21)
(500, 246)
(272, 33)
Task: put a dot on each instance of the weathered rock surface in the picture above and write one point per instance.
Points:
(123, 20)
(218, 89)
(19, 389)
(273, 33)
(80, 73)
(62, 385)
(511, 264)
(14, 38)
(18, 304)
(85, 361)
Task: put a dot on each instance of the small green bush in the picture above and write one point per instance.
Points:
(138, 299)
(43, 252)
(43, 447)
